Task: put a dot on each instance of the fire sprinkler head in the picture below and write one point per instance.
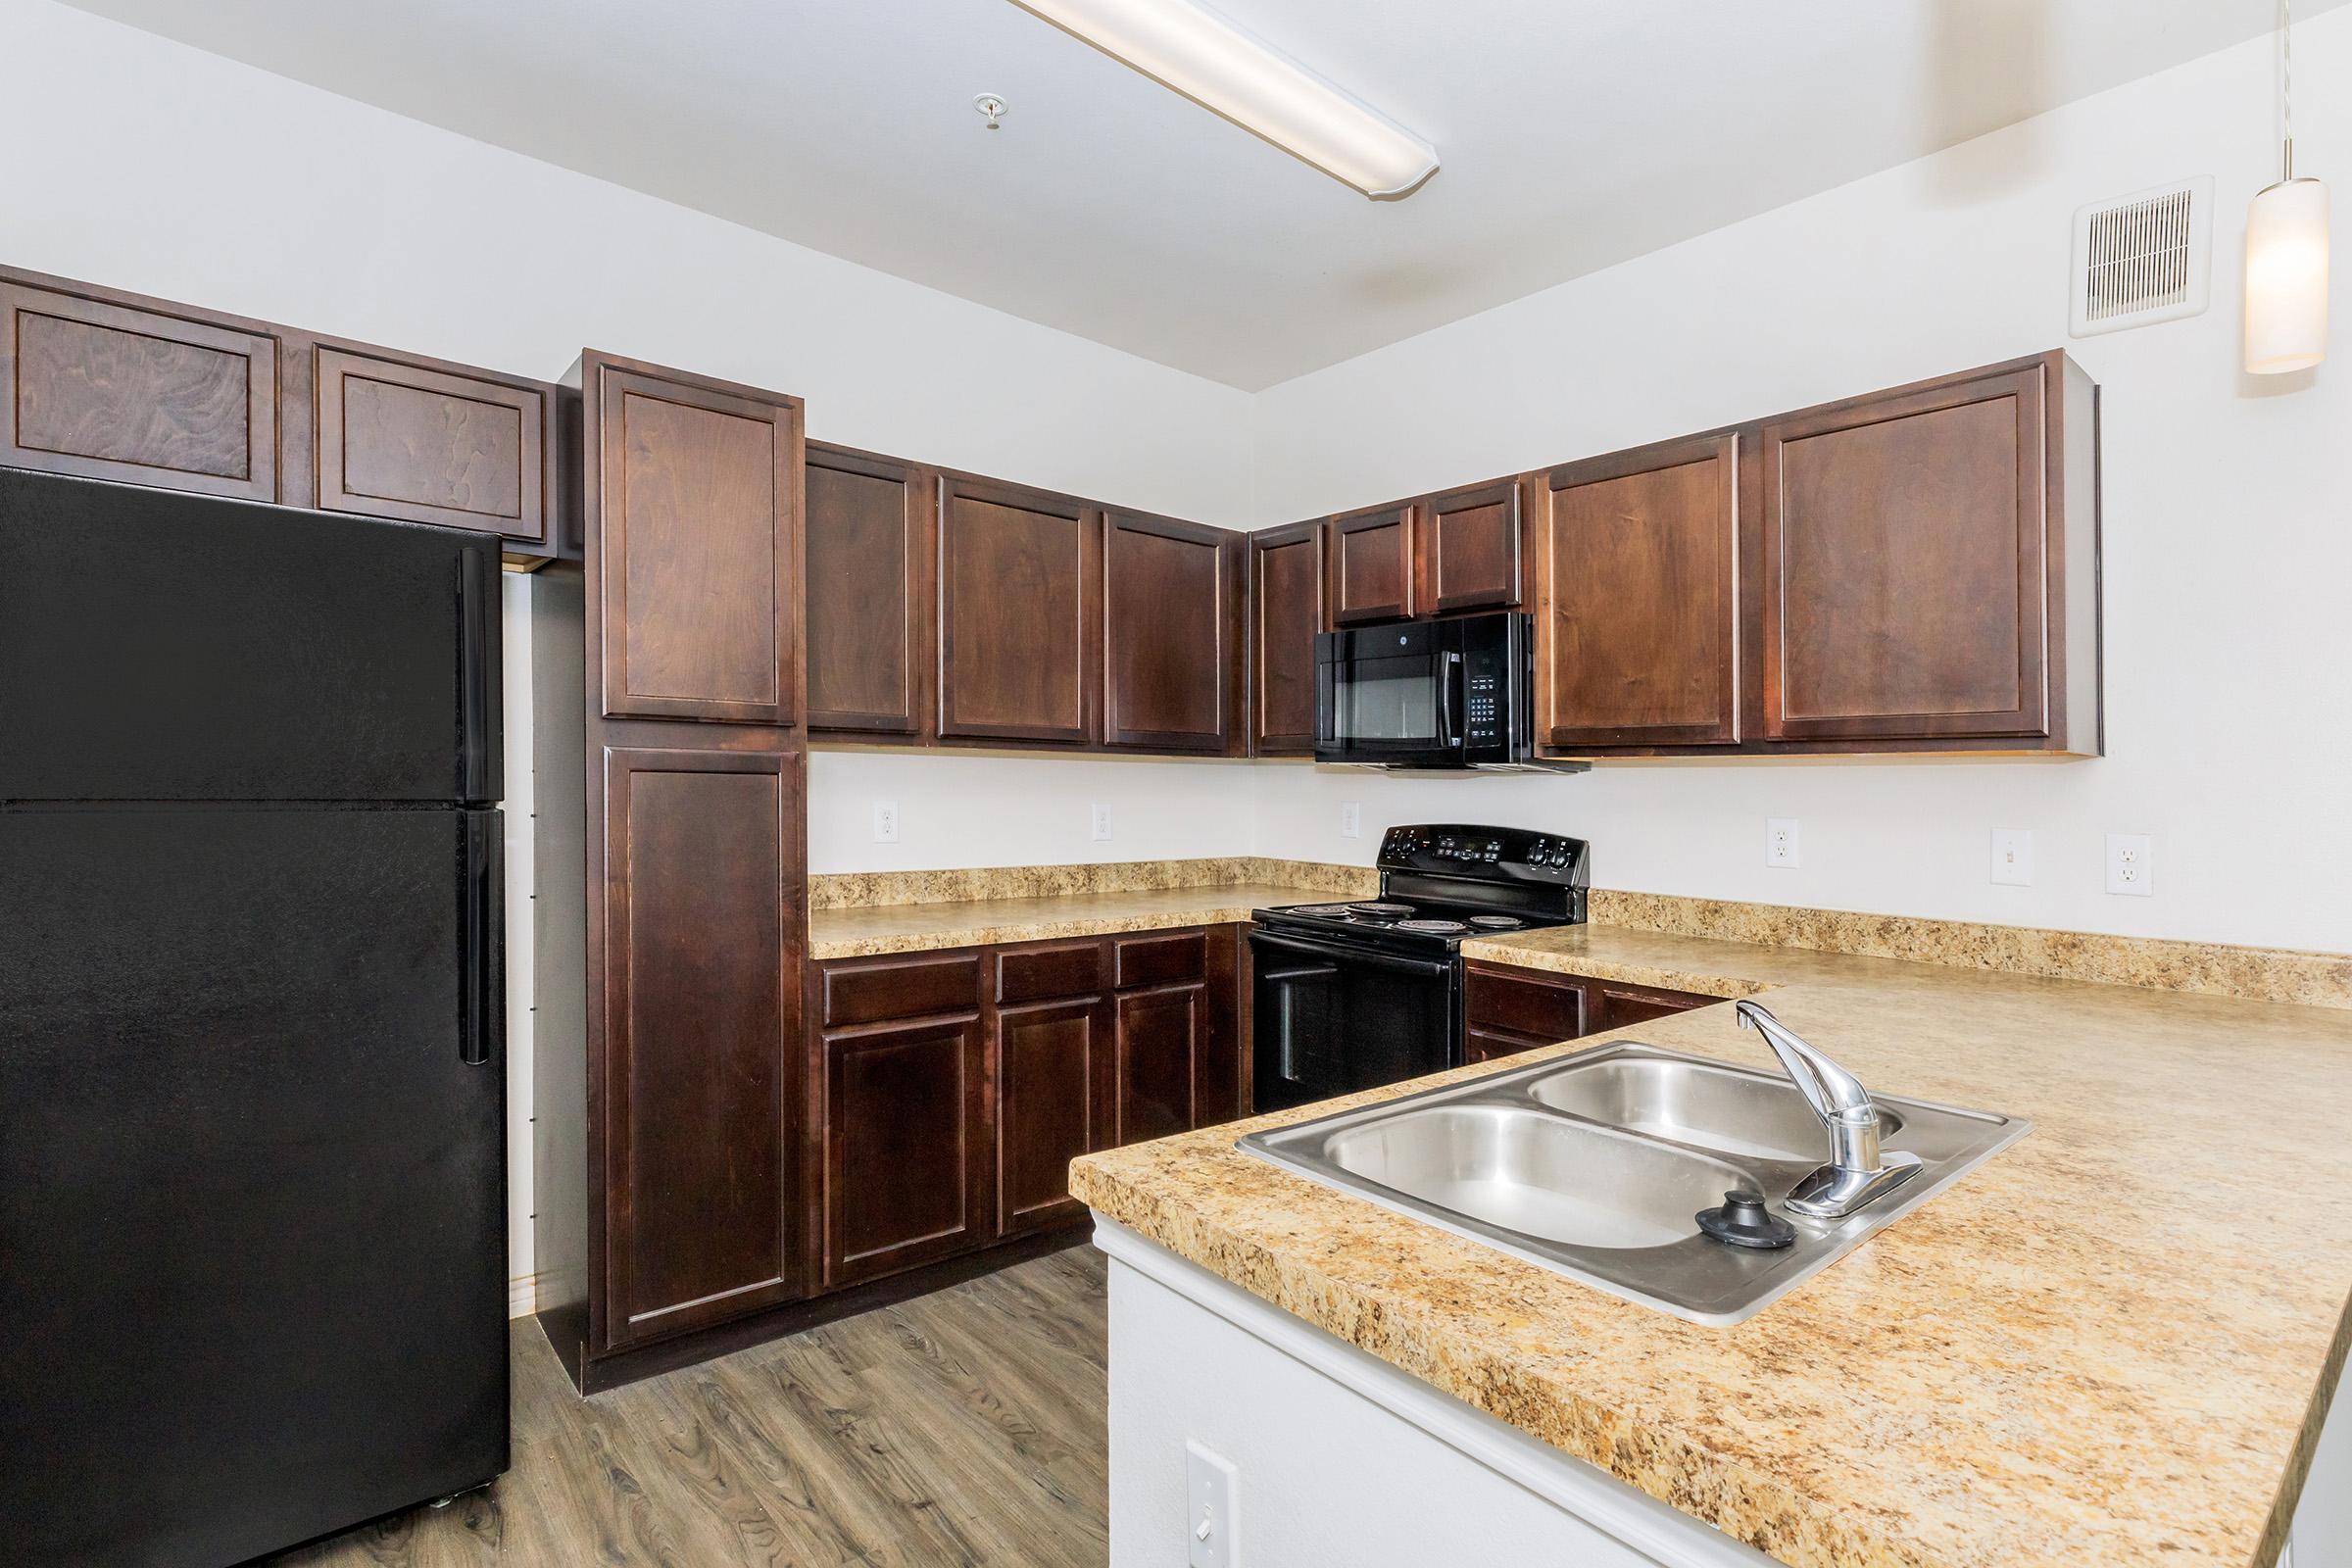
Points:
(991, 106)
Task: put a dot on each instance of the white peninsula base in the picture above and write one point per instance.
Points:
(1339, 1461)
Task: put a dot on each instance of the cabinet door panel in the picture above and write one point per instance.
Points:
(1470, 548)
(1618, 1007)
(1159, 1036)
(1169, 623)
(1904, 551)
(1053, 1082)
(1543, 1010)
(1286, 578)
(1492, 1044)
(1371, 566)
(700, 937)
(699, 549)
(903, 1125)
(869, 593)
(112, 391)
(1635, 605)
(1019, 585)
(402, 440)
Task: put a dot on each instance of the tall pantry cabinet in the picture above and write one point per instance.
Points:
(669, 670)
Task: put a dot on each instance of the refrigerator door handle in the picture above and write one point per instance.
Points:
(479, 765)
(482, 1028)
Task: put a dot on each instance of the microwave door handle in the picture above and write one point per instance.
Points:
(1448, 728)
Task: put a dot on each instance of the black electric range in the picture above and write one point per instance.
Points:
(1355, 994)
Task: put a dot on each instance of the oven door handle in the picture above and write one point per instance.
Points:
(1423, 968)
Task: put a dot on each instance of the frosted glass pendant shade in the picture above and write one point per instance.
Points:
(2286, 278)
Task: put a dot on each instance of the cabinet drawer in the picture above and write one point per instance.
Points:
(1617, 1007)
(899, 988)
(1160, 961)
(1537, 1010)
(1041, 974)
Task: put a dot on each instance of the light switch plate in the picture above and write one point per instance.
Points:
(1209, 1521)
(2013, 856)
(1779, 841)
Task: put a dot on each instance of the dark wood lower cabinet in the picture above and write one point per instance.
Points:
(1055, 1079)
(905, 1170)
(1160, 1039)
(1507, 1010)
(954, 1088)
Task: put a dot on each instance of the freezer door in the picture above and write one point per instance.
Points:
(168, 647)
(252, 1186)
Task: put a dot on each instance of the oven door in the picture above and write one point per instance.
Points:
(1328, 1019)
(1390, 694)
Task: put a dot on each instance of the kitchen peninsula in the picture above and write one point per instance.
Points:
(2114, 1342)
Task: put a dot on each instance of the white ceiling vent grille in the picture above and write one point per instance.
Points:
(2145, 257)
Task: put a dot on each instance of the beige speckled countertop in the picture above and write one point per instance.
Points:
(2111, 1345)
(857, 933)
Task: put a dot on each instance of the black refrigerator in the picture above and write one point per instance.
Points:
(252, 1032)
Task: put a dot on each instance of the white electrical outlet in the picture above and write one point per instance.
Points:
(1779, 841)
(1100, 821)
(1209, 1526)
(1352, 820)
(886, 821)
(2013, 856)
(2132, 864)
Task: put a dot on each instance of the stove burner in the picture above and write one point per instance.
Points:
(1433, 928)
(1495, 922)
(1382, 908)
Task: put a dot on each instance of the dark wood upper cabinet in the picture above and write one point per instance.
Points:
(1286, 607)
(1019, 619)
(1636, 597)
(1370, 562)
(870, 596)
(1468, 549)
(1907, 570)
(108, 389)
(404, 438)
(692, 507)
(1054, 1080)
(703, 910)
(1171, 625)
(905, 1172)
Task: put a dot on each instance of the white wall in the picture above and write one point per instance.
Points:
(2228, 528)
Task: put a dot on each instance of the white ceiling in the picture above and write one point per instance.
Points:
(1575, 133)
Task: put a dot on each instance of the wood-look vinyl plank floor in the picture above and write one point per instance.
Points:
(959, 1430)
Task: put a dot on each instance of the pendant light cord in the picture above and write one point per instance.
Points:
(2287, 52)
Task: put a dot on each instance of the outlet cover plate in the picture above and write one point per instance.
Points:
(1779, 841)
(2132, 864)
(1352, 820)
(886, 821)
(1098, 823)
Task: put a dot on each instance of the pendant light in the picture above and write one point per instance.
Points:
(2287, 252)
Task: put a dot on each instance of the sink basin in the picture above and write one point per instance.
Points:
(1700, 1103)
(1537, 1175)
(1595, 1166)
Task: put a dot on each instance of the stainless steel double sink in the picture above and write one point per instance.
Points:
(1596, 1166)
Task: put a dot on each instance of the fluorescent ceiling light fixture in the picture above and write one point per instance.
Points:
(1198, 53)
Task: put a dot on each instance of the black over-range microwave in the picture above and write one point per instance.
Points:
(1430, 694)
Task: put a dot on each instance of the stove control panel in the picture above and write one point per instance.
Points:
(1489, 853)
